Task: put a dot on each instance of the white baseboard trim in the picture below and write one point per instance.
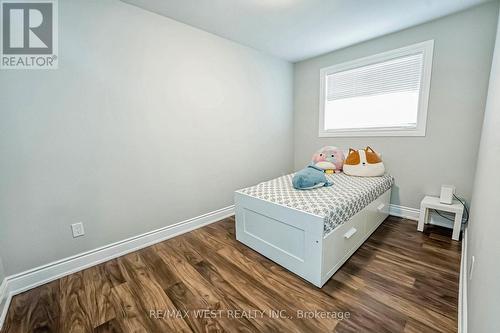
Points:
(404, 212)
(3, 289)
(18, 283)
(462, 291)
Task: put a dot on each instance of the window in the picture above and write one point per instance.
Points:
(381, 95)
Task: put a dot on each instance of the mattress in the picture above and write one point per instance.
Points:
(336, 204)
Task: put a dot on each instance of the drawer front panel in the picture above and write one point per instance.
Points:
(344, 238)
(377, 211)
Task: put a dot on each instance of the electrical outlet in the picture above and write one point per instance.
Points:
(77, 229)
(471, 269)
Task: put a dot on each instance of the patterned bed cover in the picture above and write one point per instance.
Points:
(335, 204)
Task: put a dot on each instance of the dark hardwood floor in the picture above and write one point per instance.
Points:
(400, 280)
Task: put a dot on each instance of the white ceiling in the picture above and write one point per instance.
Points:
(298, 29)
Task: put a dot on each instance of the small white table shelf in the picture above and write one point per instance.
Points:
(433, 203)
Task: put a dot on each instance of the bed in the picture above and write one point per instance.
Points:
(311, 233)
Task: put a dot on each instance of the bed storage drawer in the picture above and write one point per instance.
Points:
(344, 238)
(337, 248)
(377, 211)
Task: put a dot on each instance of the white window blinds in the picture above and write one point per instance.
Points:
(394, 76)
(384, 94)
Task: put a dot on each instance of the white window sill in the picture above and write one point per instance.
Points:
(370, 132)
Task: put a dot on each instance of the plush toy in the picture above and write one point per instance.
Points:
(330, 159)
(364, 163)
(309, 178)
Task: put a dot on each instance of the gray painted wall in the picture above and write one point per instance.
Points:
(462, 56)
(147, 122)
(484, 226)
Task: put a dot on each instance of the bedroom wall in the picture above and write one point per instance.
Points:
(2, 274)
(446, 155)
(484, 229)
(147, 122)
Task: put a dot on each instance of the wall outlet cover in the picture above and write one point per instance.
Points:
(77, 229)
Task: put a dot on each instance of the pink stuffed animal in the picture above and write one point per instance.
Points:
(331, 159)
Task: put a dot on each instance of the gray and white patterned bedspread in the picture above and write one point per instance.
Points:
(336, 204)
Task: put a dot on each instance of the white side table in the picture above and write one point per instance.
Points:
(433, 203)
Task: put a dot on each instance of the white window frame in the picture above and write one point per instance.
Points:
(426, 48)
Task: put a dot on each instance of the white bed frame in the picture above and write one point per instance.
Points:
(295, 240)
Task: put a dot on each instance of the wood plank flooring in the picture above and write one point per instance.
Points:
(400, 280)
